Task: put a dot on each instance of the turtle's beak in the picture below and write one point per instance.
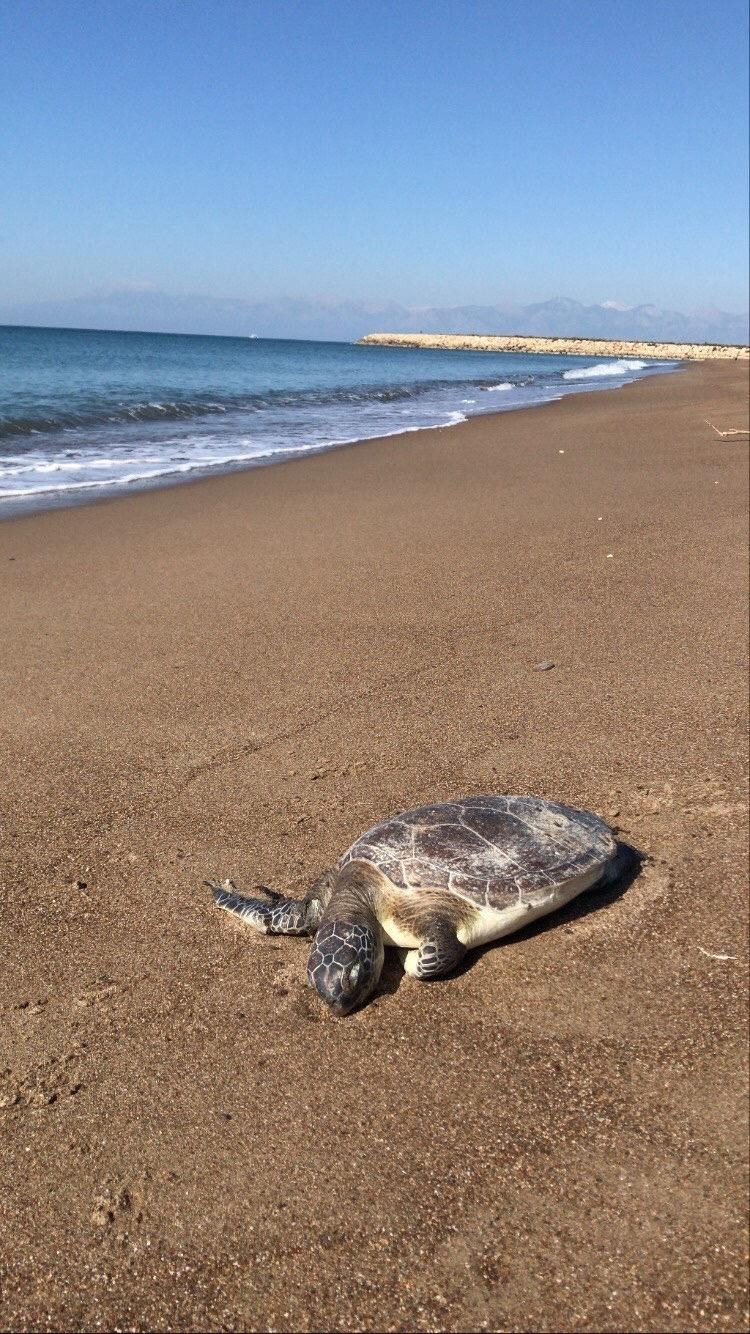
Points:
(338, 997)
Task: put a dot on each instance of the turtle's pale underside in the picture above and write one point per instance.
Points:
(436, 882)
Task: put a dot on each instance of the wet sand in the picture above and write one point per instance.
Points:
(238, 677)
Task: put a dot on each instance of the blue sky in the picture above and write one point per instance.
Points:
(425, 151)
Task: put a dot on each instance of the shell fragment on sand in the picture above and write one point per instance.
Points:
(720, 958)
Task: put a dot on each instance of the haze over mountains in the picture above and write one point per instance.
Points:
(147, 309)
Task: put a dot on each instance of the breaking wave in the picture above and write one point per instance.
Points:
(605, 368)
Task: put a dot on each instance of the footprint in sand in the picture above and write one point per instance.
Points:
(104, 989)
(701, 799)
(50, 1082)
(118, 1204)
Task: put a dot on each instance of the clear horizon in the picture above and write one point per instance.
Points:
(377, 153)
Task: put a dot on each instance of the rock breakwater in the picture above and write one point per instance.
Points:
(566, 347)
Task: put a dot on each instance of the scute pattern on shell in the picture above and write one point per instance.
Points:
(493, 851)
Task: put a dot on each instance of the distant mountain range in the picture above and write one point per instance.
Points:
(149, 310)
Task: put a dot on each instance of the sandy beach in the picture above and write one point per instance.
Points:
(239, 676)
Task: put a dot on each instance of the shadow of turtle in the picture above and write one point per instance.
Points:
(392, 975)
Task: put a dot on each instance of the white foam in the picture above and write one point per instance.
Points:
(165, 467)
(172, 453)
(41, 490)
(605, 368)
(76, 465)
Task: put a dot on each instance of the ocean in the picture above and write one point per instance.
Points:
(86, 413)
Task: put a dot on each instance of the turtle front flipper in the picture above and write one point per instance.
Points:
(439, 953)
(280, 917)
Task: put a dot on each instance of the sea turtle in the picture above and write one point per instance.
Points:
(436, 881)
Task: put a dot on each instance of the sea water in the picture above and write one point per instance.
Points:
(85, 412)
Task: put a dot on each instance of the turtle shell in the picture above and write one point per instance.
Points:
(493, 851)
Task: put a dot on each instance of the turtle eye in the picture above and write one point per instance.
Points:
(353, 976)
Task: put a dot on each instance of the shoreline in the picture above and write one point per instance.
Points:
(562, 346)
(237, 677)
(39, 502)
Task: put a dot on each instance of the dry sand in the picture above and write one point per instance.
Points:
(238, 677)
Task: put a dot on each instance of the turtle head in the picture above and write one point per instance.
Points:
(345, 963)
